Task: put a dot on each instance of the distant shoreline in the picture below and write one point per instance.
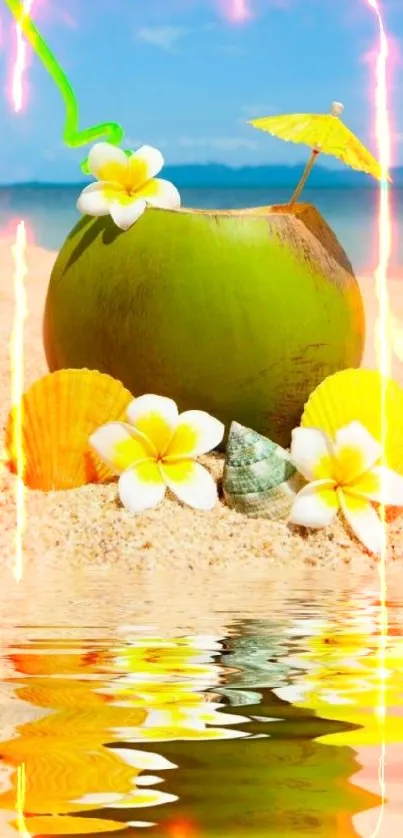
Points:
(206, 186)
(217, 176)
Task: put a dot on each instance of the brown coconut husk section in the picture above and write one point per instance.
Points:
(87, 527)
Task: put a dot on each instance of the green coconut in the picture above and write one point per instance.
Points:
(239, 313)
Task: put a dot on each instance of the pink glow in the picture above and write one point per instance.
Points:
(8, 231)
(237, 10)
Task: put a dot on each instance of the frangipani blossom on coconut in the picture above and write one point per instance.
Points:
(125, 184)
(156, 450)
(344, 474)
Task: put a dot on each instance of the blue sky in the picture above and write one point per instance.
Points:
(184, 76)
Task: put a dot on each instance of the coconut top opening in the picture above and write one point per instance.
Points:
(305, 214)
(284, 209)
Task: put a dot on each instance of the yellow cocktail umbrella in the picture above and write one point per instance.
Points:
(324, 134)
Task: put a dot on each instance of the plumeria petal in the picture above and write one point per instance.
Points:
(144, 164)
(96, 198)
(196, 433)
(156, 417)
(312, 453)
(191, 483)
(127, 213)
(141, 486)
(356, 451)
(379, 484)
(364, 521)
(160, 193)
(119, 446)
(107, 162)
(315, 505)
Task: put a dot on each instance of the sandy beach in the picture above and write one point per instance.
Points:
(88, 525)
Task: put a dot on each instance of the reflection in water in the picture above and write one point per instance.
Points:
(68, 767)
(343, 677)
(194, 736)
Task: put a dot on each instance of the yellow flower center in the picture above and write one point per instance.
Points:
(347, 470)
(349, 466)
(130, 175)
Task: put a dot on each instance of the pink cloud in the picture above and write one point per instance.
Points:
(231, 10)
(237, 10)
(240, 11)
(44, 10)
(67, 18)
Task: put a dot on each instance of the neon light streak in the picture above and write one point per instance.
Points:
(17, 387)
(383, 132)
(17, 340)
(72, 135)
(20, 802)
(20, 62)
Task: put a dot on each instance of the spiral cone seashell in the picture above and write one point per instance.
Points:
(259, 479)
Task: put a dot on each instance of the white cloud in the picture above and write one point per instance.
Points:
(134, 142)
(256, 111)
(218, 143)
(164, 37)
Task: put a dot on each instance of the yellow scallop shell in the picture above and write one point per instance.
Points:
(58, 413)
(356, 395)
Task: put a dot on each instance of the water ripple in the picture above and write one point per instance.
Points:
(266, 727)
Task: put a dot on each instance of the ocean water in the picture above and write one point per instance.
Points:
(353, 214)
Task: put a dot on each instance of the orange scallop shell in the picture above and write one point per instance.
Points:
(57, 416)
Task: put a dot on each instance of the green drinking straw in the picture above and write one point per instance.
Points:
(112, 132)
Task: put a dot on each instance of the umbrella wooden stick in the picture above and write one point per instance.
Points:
(304, 177)
(335, 110)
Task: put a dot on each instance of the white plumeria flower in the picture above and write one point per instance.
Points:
(156, 451)
(126, 184)
(345, 474)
